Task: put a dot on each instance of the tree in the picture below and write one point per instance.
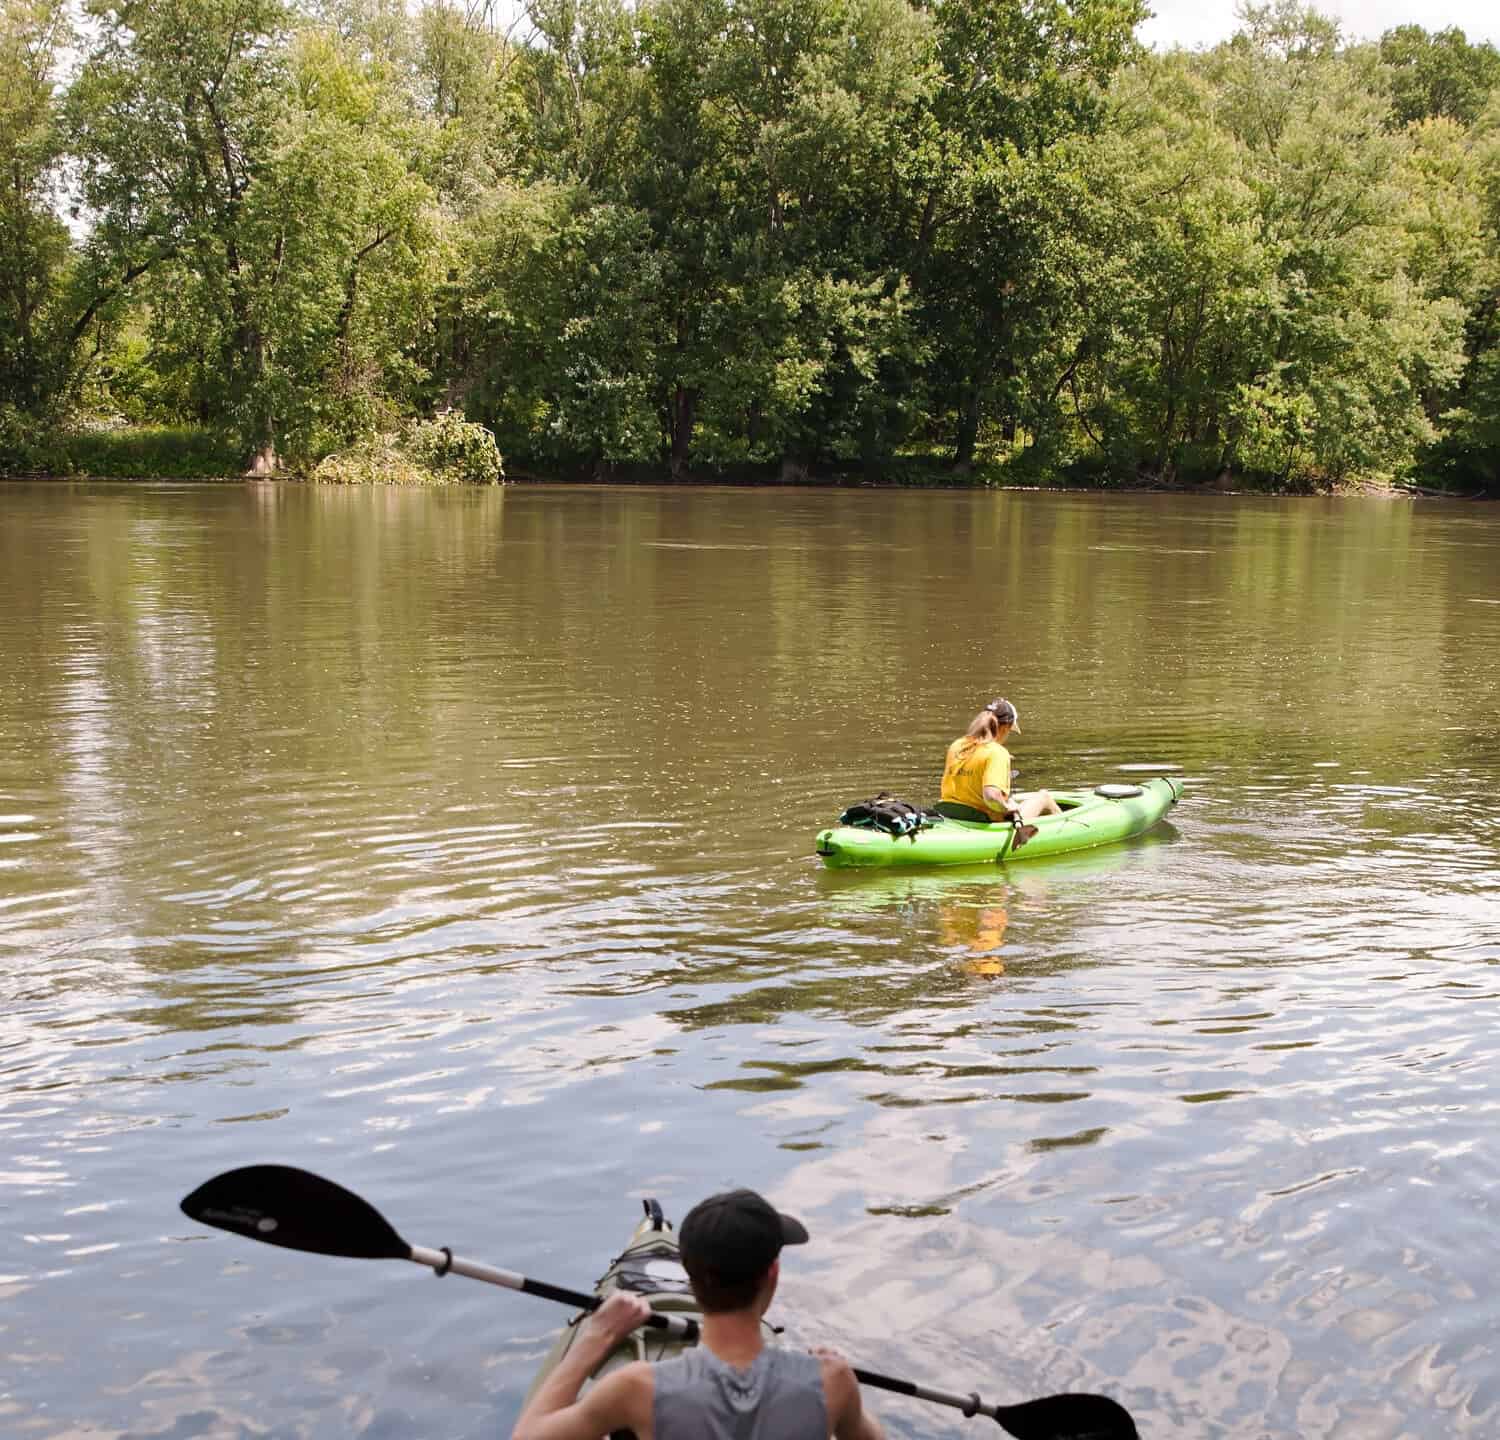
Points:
(1460, 249)
(173, 115)
(740, 150)
(36, 322)
(1269, 320)
(469, 78)
(584, 78)
(1437, 74)
(555, 344)
(800, 116)
(259, 176)
(1018, 83)
(341, 222)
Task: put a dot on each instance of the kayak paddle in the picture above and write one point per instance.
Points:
(302, 1211)
(281, 1205)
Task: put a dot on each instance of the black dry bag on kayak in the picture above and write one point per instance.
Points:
(885, 812)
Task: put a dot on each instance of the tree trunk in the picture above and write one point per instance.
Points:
(872, 443)
(681, 412)
(263, 459)
(264, 462)
(968, 430)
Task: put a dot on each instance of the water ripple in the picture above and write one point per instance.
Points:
(458, 846)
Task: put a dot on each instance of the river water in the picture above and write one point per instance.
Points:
(458, 846)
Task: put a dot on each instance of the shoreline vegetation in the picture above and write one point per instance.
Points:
(457, 453)
(206, 459)
(754, 242)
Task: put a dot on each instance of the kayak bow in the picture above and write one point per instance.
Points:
(651, 1267)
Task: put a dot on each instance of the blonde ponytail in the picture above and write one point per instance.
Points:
(984, 726)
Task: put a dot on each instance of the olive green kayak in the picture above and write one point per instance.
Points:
(650, 1267)
(1089, 818)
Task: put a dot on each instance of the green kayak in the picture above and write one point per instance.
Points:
(1089, 818)
(650, 1267)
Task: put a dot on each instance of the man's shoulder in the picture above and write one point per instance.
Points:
(635, 1379)
(621, 1400)
(638, 1372)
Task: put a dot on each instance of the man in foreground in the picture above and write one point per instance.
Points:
(732, 1386)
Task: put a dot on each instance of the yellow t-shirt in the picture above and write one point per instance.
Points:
(971, 765)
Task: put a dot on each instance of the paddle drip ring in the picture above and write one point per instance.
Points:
(446, 1266)
(971, 1406)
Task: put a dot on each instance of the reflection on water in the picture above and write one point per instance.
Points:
(458, 845)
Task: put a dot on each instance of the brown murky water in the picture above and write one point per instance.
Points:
(458, 845)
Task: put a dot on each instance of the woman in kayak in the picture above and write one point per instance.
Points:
(731, 1384)
(977, 775)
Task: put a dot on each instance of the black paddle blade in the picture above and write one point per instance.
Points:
(295, 1208)
(1068, 1417)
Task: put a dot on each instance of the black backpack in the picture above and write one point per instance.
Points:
(885, 812)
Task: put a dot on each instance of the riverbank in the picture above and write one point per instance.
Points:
(150, 453)
(923, 474)
(930, 480)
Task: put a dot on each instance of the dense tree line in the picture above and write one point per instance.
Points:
(782, 234)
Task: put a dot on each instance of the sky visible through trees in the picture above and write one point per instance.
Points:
(1195, 23)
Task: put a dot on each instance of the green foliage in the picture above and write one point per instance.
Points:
(173, 452)
(455, 449)
(36, 264)
(443, 451)
(1461, 251)
(994, 177)
(258, 175)
(554, 324)
(792, 235)
(1467, 458)
(1268, 321)
(1433, 74)
(30, 443)
(467, 79)
(378, 460)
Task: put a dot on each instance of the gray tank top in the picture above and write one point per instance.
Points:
(780, 1397)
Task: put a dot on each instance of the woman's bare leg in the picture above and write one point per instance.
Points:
(1037, 804)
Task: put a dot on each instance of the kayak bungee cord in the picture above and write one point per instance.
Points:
(282, 1205)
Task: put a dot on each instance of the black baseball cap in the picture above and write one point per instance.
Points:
(735, 1236)
(1005, 713)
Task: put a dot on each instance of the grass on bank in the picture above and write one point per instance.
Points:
(157, 452)
(442, 450)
